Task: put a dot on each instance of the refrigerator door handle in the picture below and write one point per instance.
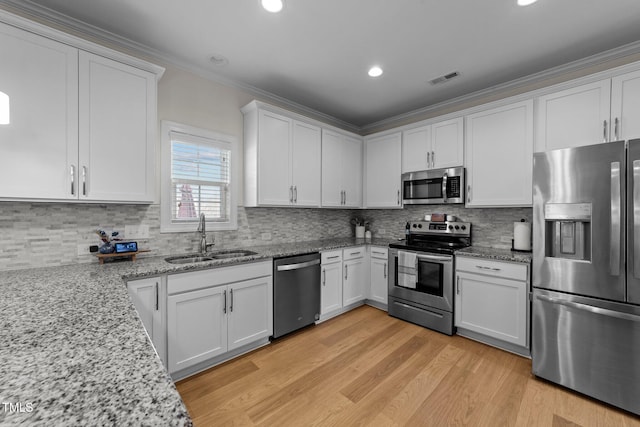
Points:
(590, 308)
(636, 219)
(616, 213)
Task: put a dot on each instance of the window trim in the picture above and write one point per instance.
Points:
(166, 225)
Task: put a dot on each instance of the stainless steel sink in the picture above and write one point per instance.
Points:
(231, 254)
(187, 259)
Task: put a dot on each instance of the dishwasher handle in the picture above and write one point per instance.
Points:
(288, 267)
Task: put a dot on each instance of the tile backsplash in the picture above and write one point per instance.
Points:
(48, 234)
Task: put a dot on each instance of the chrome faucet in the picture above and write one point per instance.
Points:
(202, 229)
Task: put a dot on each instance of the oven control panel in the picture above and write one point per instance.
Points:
(448, 227)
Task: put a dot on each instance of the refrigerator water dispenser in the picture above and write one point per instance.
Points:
(568, 230)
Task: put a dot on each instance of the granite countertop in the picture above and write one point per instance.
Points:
(74, 351)
(496, 254)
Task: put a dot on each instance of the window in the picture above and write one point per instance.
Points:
(197, 177)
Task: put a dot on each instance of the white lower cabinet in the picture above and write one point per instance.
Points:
(331, 281)
(379, 270)
(492, 302)
(217, 311)
(149, 297)
(353, 285)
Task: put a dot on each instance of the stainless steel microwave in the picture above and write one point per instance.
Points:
(435, 186)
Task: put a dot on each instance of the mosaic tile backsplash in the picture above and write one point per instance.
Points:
(48, 234)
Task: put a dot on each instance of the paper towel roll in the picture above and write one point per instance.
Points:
(522, 236)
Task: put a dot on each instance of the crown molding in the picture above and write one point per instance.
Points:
(47, 16)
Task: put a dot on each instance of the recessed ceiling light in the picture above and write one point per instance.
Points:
(375, 71)
(526, 2)
(219, 60)
(272, 6)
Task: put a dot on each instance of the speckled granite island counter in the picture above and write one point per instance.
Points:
(496, 254)
(74, 351)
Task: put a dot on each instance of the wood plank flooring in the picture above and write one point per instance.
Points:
(365, 368)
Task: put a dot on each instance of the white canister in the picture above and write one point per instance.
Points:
(360, 231)
(522, 236)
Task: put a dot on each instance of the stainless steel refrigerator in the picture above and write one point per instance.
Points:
(586, 270)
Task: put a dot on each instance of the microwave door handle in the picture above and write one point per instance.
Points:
(444, 187)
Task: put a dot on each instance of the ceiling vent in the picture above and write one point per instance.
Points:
(444, 78)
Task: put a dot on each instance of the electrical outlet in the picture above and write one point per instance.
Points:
(83, 249)
(136, 231)
(265, 236)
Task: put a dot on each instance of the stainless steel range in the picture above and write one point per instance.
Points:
(421, 273)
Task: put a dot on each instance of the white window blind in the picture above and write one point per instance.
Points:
(200, 178)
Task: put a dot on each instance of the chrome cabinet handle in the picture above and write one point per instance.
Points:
(224, 295)
(398, 197)
(385, 270)
(295, 194)
(433, 159)
(333, 257)
(157, 297)
(324, 277)
(291, 194)
(469, 193)
(636, 219)
(616, 128)
(231, 305)
(458, 285)
(614, 240)
(345, 197)
(73, 180)
(604, 131)
(84, 180)
(346, 271)
(482, 267)
(428, 160)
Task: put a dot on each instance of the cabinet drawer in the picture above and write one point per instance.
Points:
(353, 253)
(380, 253)
(331, 256)
(507, 270)
(185, 282)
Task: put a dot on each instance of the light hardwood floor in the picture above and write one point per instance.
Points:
(366, 368)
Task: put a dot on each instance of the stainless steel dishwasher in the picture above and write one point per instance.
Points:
(296, 292)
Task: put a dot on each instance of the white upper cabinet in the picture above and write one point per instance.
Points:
(625, 106)
(499, 156)
(282, 159)
(82, 126)
(117, 131)
(341, 170)
(383, 170)
(40, 145)
(574, 117)
(439, 145)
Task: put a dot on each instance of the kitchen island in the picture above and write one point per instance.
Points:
(74, 351)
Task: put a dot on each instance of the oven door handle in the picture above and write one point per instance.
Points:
(434, 258)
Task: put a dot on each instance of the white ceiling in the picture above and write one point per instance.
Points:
(317, 52)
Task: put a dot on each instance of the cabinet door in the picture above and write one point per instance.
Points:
(305, 164)
(196, 327)
(625, 106)
(499, 160)
(250, 311)
(274, 180)
(117, 131)
(574, 117)
(379, 288)
(147, 297)
(383, 170)
(331, 291)
(447, 143)
(416, 149)
(492, 306)
(352, 171)
(331, 169)
(40, 145)
(353, 285)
